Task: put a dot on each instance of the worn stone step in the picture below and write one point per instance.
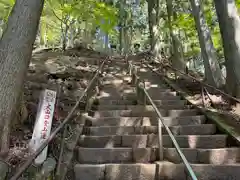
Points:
(193, 155)
(117, 76)
(155, 93)
(106, 101)
(162, 170)
(132, 89)
(216, 172)
(118, 90)
(219, 156)
(128, 113)
(140, 171)
(116, 102)
(116, 155)
(114, 81)
(191, 141)
(203, 129)
(155, 90)
(116, 86)
(133, 96)
(134, 137)
(164, 96)
(171, 154)
(145, 112)
(126, 107)
(169, 102)
(204, 156)
(179, 112)
(145, 121)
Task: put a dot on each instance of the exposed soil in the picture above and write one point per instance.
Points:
(68, 73)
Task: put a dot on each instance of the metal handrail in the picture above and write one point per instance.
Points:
(160, 124)
(185, 161)
(31, 158)
(202, 83)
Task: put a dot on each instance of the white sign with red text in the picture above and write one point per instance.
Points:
(43, 123)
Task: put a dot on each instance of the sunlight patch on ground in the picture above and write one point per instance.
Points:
(143, 70)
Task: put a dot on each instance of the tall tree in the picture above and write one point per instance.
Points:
(178, 61)
(212, 69)
(154, 16)
(15, 53)
(229, 23)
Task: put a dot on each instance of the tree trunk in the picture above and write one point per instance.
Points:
(16, 49)
(150, 23)
(72, 34)
(65, 37)
(212, 69)
(154, 22)
(178, 61)
(229, 22)
(122, 44)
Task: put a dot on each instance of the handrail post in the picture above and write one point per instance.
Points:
(142, 96)
(134, 78)
(137, 89)
(160, 139)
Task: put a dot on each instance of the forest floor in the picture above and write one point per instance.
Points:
(210, 99)
(68, 73)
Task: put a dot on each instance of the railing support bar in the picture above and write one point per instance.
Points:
(160, 140)
(185, 162)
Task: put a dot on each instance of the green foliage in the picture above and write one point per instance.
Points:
(90, 15)
(5, 8)
(59, 14)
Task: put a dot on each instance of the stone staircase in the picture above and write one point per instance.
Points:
(120, 137)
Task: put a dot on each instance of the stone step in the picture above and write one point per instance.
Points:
(115, 155)
(219, 156)
(204, 156)
(127, 113)
(145, 121)
(114, 86)
(155, 93)
(131, 89)
(185, 112)
(169, 102)
(116, 102)
(151, 140)
(133, 96)
(203, 129)
(146, 155)
(127, 107)
(145, 113)
(117, 107)
(106, 101)
(191, 141)
(113, 82)
(216, 172)
(155, 90)
(116, 76)
(119, 90)
(162, 170)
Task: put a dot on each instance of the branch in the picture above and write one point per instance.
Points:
(57, 16)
